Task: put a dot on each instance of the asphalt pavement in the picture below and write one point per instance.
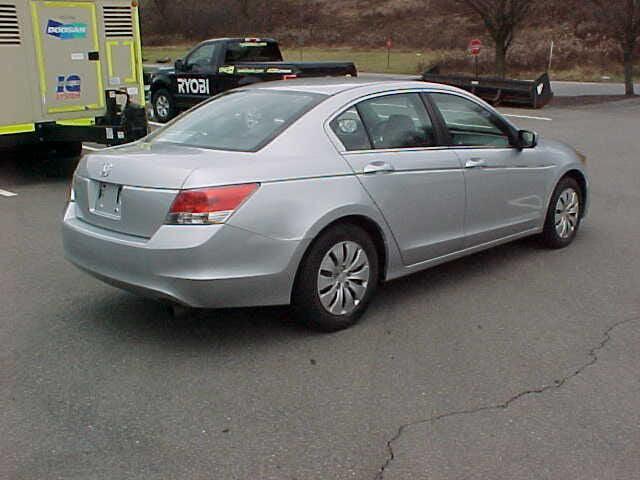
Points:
(575, 89)
(515, 363)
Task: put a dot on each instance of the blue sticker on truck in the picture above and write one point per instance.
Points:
(66, 31)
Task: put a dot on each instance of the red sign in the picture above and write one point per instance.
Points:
(389, 43)
(475, 46)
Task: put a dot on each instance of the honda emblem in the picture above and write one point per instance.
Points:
(106, 169)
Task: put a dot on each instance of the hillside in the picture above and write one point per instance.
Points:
(435, 28)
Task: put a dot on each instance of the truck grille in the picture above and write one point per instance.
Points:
(118, 21)
(9, 26)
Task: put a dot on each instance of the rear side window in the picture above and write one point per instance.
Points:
(349, 128)
(397, 121)
(471, 124)
(243, 120)
(238, 52)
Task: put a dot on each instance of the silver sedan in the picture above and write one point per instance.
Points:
(312, 193)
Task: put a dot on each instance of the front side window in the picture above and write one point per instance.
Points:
(201, 57)
(244, 120)
(470, 124)
(397, 121)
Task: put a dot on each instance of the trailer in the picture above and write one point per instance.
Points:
(73, 73)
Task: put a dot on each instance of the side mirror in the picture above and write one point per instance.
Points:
(179, 65)
(527, 139)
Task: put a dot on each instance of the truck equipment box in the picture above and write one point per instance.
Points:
(73, 72)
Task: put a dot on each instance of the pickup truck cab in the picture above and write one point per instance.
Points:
(217, 65)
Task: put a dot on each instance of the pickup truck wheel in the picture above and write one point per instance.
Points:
(163, 105)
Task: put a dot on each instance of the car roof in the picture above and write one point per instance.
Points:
(334, 86)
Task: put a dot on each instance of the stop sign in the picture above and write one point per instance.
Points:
(389, 43)
(475, 46)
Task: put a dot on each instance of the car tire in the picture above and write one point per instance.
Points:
(563, 215)
(164, 108)
(336, 279)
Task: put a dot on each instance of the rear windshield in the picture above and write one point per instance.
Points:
(244, 120)
(252, 52)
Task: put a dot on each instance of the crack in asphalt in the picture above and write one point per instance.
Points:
(592, 353)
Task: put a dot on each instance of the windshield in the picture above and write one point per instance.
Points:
(244, 120)
(253, 52)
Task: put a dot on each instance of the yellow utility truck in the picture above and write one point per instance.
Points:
(72, 73)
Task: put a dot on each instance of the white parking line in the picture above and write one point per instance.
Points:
(6, 193)
(544, 119)
(91, 149)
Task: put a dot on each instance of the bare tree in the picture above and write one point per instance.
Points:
(163, 8)
(620, 21)
(501, 18)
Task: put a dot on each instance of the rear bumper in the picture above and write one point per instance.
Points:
(198, 266)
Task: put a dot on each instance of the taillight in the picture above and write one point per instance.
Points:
(291, 76)
(206, 206)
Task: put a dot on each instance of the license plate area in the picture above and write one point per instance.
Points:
(108, 200)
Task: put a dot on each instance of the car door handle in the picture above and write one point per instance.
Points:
(475, 163)
(378, 167)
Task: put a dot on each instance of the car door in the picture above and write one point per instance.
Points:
(506, 186)
(391, 143)
(196, 81)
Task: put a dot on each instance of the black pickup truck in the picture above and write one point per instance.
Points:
(214, 66)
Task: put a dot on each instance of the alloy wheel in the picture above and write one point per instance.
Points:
(162, 107)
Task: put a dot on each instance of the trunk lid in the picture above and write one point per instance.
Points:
(158, 165)
(130, 189)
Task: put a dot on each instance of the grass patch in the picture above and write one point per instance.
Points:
(368, 60)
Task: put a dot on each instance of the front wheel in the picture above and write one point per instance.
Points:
(563, 217)
(163, 105)
(336, 279)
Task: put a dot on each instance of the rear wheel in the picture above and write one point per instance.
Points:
(336, 279)
(563, 217)
(163, 105)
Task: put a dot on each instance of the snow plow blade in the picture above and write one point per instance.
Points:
(526, 93)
